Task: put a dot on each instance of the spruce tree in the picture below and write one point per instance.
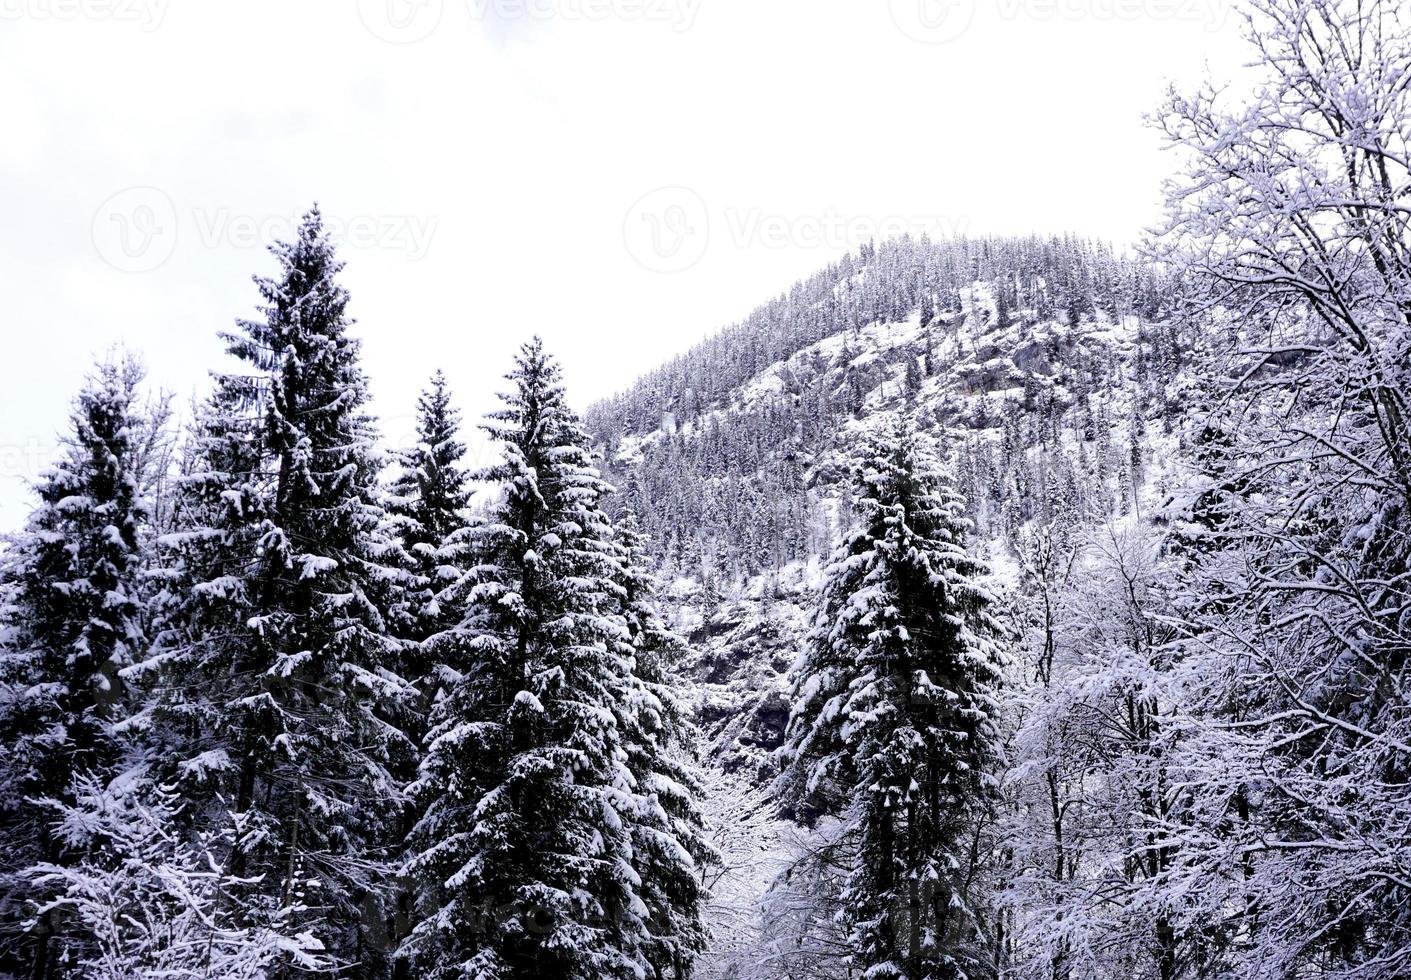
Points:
(912, 377)
(669, 839)
(426, 506)
(276, 660)
(894, 724)
(72, 621)
(524, 854)
(1003, 315)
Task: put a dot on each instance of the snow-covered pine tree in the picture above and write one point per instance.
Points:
(894, 723)
(670, 845)
(426, 506)
(72, 621)
(523, 852)
(276, 659)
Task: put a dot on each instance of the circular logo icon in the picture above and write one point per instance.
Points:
(933, 21)
(401, 21)
(667, 230)
(135, 229)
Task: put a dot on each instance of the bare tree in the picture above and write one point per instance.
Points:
(1290, 221)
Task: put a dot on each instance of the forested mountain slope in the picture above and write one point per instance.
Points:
(1051, 369)
(1055, 377)
(1003, 344)
(1046, 615)
(1190, 496)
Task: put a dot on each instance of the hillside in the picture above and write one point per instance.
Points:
(1009, 608)
(1049, 371)
(1004, 345)
(1053, 378)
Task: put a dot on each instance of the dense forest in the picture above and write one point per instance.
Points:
(978, 608)
(726, 444)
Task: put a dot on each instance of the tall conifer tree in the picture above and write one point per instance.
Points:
(533, 801)
(427, 504)
(277, 660)
(669, 838)
(894, 723)
(72, 620)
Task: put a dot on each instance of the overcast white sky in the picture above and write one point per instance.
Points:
(621, 176)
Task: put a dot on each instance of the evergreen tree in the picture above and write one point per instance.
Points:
(895, 714)
(912, 377)
(276, 658)
(669, 841)
(426, 506)
(72, 621)
(523, 851)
